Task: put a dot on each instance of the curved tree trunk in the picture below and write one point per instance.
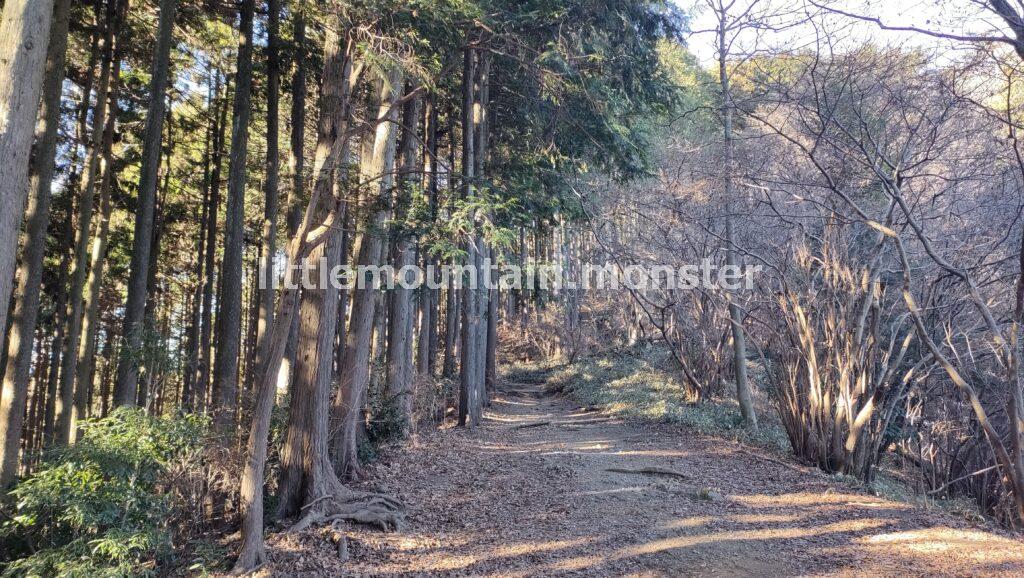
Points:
(331, 145)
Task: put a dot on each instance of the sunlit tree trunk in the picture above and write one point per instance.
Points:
(24, 36)
(30, 271)
(377, 172)
(400, 359)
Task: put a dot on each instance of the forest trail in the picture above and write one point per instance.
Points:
(543, 488)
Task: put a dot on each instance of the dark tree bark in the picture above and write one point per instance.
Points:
(297, 167)
(470, 402)
(190, 379)
(147, 390)
(202, 383)
(487, 297)
(97, 254)
(343, 297)
(80, 259)
(452, 298)
(265, 293)
(426, 355)
(229, 318)
(491, 368)
(125, 389)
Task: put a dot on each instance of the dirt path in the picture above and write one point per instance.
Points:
(543, 500)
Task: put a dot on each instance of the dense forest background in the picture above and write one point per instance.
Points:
(164, 161)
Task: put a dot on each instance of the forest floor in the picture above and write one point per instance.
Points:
(544, 488)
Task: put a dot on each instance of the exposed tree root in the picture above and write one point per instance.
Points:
(565, 424)
(589, 421)
(531, 424)
(793, 467)
(650, 471)
(531, 393)
(363, 508)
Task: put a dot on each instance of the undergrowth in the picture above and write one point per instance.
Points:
(889, 487)
(111, 504)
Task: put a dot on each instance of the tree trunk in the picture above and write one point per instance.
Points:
(229, 318)
(190, 380)
(297, 167)
(486, 295)
(376, 170)
(60, 302)
(426, 355)
(147, 389)
(314, 368)
(24, 37)
(451, 329)
(126, 386)
(206, 326)
(343, 296)
(470, 402)
(399, 370)
(269, 246)
(80, 261)
(452, 297)
(735, 313)
(330, 146)
(32, 432)
(87, 349)
(30, 272)
(491, 373)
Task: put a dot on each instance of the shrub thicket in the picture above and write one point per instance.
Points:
(111, 504)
